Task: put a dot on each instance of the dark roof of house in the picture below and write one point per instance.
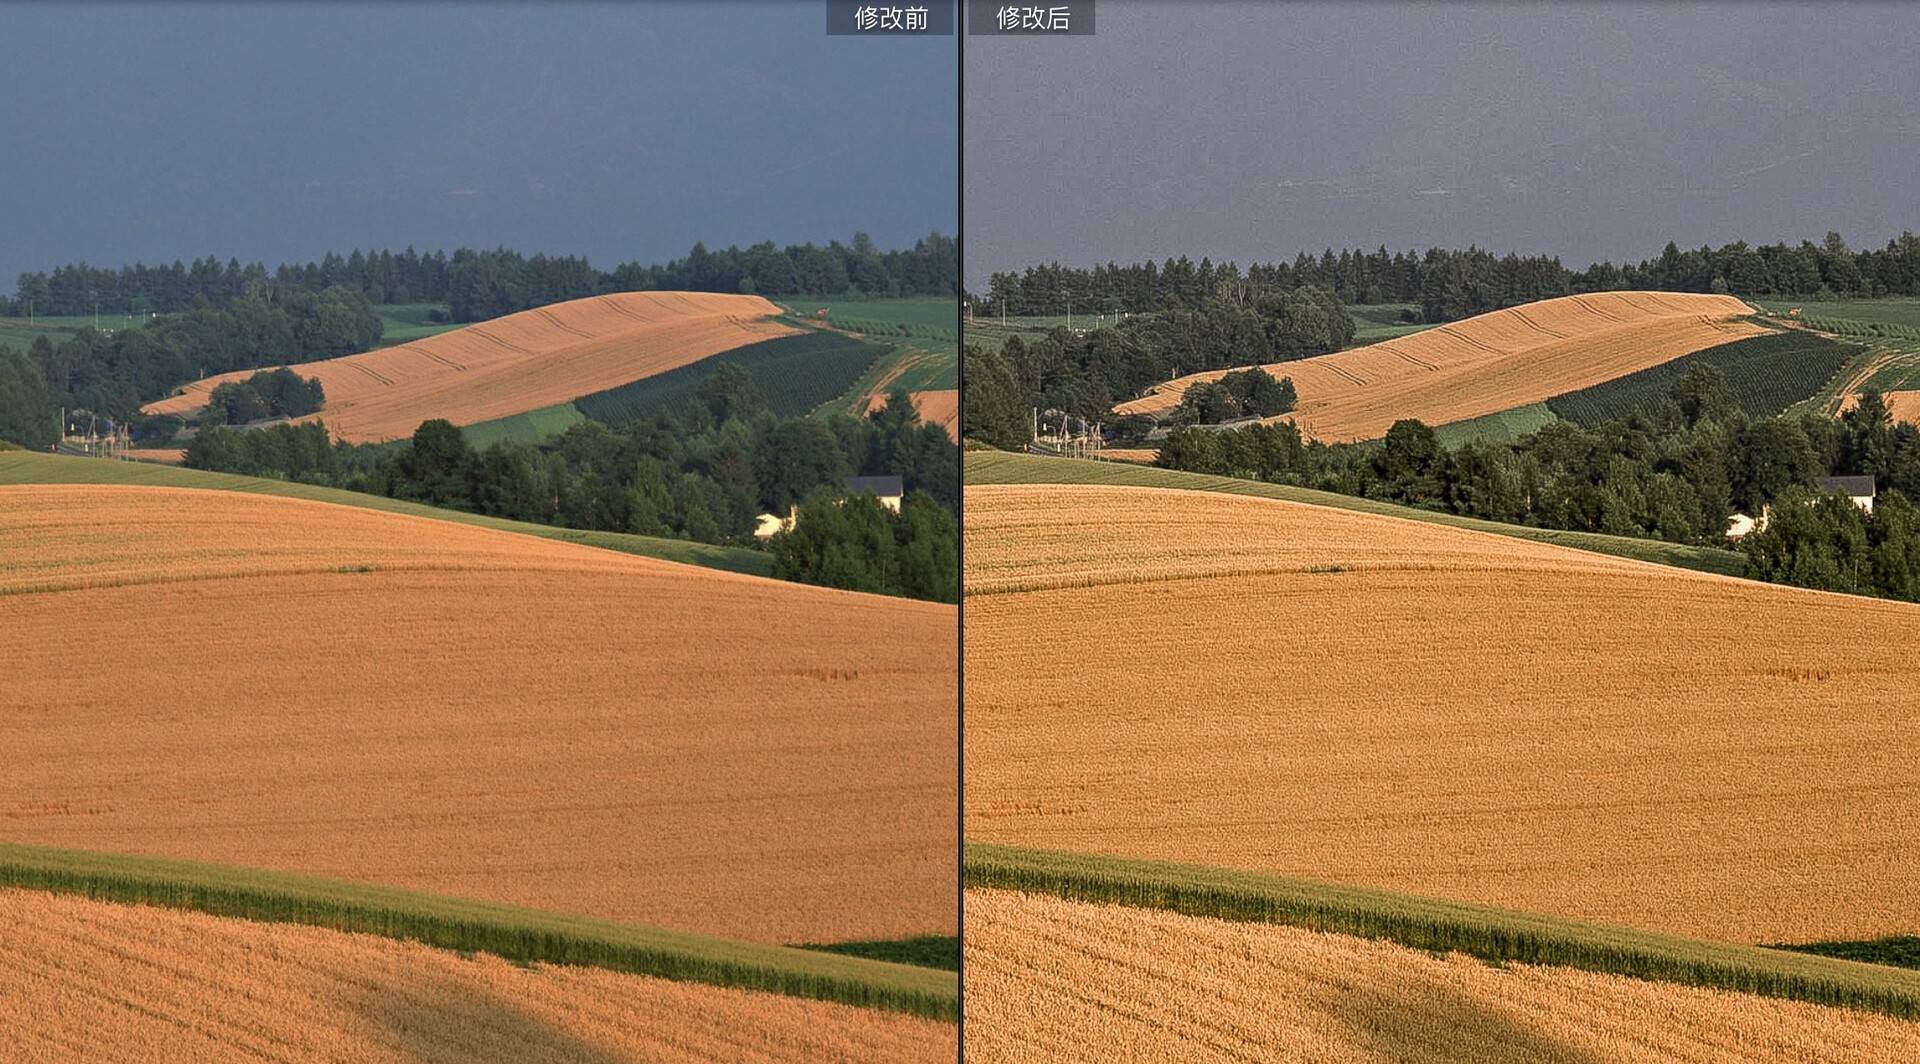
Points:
(879, 486)
(1857, 487)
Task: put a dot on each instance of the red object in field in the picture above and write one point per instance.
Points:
(821, 313)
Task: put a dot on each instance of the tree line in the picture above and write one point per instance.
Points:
(703, 471)
(113, 374)
(1452, 284)
(480, 284)
(1085, 374)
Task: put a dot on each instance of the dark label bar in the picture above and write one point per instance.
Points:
(857, 18)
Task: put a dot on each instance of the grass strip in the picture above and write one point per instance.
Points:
(1490, 934)
(999, 467)
(511, 932)
(922, 951)
(24, 467)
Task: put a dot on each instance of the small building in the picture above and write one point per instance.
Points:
(888, 490)
(1858, 489)
(766, 526)
(1739, 525)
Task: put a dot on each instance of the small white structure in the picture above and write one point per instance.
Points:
(1739, 525)
(766, 526)
(888, 490)
(1858, 489)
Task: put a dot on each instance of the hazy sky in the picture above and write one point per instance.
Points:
(619, 131)
(1252, 131)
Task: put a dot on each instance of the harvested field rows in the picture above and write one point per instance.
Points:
(88, 980)
(1490, 363)
(396, 699)
(1050, 979)
(520, 362)
(1443, 712)
(1903, 405)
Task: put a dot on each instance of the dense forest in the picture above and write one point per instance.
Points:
(1451, 284)
(701, 470)
(1672, 473)
(477, 285)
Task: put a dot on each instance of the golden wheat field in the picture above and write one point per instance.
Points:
(940, 408)
(1057, 980)
(1903, 405)
(1492, 362)
(1294, 689)
(520, 362)
(88, 980)
(297, 685)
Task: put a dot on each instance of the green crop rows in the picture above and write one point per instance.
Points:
(1766, 374)
(795, 374)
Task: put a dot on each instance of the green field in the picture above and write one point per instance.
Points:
(908, 367)
(404, 322)
(1374, 322)
(1766, 375)
(999, 467)
(928, 323)
(1900, 369)
(925, 330)
(512, 932)
(1507, 426)
(795, 373)
(21, 467)
(530, 427)
(1898, 312)
(18, 334)
(930, 311)
(1494, 935)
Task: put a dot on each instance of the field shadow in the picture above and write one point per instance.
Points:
(438, 1019)
(1418, 1020)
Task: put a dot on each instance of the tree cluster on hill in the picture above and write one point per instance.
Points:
(270, 393)
(1674, 473)
(1451, 284)
(114, 373)
(477, 285)
(857, 544)
(1243, 393)
(701, 471)
(1824, 541)
(1085, 374)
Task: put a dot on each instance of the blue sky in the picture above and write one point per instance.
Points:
(618, 131)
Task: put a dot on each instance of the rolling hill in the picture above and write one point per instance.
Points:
(24, 467)
(518, 363)
(1490, 363)
(1271, 685)
(288, 684)
(94, 980)
(1058, 979)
